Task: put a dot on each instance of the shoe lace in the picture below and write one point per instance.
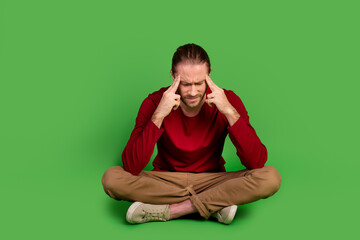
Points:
(154, 215)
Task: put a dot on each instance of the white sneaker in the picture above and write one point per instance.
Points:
(225, 215)
(140, 212)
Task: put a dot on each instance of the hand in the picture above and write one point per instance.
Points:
(219, 98)
(170, 100)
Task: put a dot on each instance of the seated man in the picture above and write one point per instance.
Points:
(189, 122)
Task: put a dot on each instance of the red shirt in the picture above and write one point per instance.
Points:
(191, 144)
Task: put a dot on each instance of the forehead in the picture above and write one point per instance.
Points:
(192, 72)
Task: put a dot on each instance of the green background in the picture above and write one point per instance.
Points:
(74, 73)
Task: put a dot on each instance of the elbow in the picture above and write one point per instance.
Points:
(128, 164)
(255, 165)
(134, 172)
(130, 167)
(257, 161)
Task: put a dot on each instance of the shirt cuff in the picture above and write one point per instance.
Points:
(158, 131)
(237, 126)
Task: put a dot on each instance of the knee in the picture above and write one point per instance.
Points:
(110, 180)
(109, 176)
(271, 180)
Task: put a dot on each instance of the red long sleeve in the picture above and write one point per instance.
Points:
(250, 150)
(140, 147)
(191, 144)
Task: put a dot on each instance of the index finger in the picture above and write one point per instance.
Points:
(210, 83)
(174, 86)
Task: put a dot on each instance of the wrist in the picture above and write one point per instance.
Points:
(232, 116)
(230, 111)
(157, 115)
(157, 119)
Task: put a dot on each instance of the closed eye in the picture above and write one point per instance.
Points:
(189, 84)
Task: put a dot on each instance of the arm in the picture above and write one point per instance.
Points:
(140, 147)
(250, 150)
(147, 131)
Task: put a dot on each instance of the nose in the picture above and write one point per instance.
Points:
(193, 90)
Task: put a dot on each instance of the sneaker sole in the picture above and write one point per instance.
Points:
(131, 211)
(231, 215)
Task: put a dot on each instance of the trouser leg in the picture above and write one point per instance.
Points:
(209, 192)
(215, 191)
(152, 187)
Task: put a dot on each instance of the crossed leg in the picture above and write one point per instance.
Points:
(192, 192)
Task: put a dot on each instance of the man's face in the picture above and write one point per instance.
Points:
(192, 85)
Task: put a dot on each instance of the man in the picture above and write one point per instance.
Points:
(189, 122)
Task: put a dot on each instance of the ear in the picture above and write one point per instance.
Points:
(210, 71)
(172, 75)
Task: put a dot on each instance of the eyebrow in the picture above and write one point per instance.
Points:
(186, 82)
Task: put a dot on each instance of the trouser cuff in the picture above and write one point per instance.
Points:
(204, 212)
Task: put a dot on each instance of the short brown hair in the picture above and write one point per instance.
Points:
(190, 53)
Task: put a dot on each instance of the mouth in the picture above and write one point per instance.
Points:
(192, 99)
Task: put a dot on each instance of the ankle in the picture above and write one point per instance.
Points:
(180, 209)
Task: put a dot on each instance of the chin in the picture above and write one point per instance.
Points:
(193, 104)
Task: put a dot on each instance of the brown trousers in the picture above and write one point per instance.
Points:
(209, 192)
